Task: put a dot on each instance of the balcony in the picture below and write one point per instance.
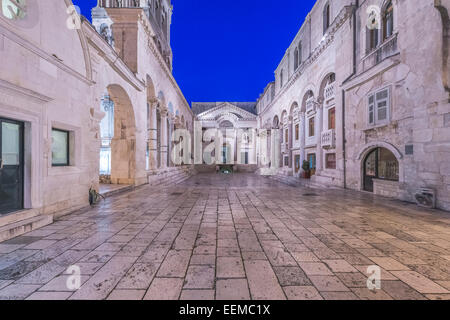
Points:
(310, 105)
(385, 50)
(328, 139)
(330, 91)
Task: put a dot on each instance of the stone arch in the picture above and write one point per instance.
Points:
(309, 93)
(84, 46)
(162, 99)
(276, 122)
(445, 17)
(232, 118)
(123, 144)
(327, 90)
(284, 116)
(151, 93)
(368, 148)
(294, 105)
(170, 108)
(379, 144)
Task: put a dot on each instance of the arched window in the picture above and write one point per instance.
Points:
(300, 53)
(388, 21)
(326, 18)
(281, 79)
(380, 164)
(296, 59)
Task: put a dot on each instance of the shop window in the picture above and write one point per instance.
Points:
(60, 148)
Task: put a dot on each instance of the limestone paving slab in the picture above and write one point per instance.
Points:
(235, 237)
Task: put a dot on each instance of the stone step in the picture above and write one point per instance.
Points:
(118, 190)
(18, 228)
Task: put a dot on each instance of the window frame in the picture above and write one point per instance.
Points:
(311, 120)
(326, 17)
(329, 118)
(67, 164)
(327, 161)
(388, 10)
(375, 106)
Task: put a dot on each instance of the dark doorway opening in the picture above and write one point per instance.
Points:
(11, 166)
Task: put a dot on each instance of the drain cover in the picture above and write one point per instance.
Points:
(310, 195)
(176, 194)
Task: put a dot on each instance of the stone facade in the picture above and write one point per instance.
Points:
(388, 91)
(237, 123)
(57, 72)
(365, 105)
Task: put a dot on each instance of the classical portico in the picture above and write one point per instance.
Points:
(237, 124)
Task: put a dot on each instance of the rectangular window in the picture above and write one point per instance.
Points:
(331, 118)
(60, 148)
(379, 107)
(297, 132)
(286, 136)
(297, 163)
(312, 163)
(330, 160)
(244, 158)
(311, 128)
(373, 39)
(286, 161)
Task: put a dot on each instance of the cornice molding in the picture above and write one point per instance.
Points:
(226, 108)
(343, 16)
(27, 93)
(5, 31)
(111, 56)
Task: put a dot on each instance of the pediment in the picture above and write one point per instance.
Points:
(226, 108)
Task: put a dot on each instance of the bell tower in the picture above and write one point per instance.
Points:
(158, 12)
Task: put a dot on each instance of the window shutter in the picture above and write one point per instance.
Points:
(372, 109)
(382, 105)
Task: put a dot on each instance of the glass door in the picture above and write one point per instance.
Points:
(370, 170)
(11, 166)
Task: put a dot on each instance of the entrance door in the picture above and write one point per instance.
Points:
(370, 170)
(11, 166)
(380, 164)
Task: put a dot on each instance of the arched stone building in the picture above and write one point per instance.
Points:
(85, 102)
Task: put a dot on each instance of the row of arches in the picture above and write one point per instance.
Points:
(118, 129)
(325, 92)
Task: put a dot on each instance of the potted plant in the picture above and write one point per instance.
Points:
(306, 170)
(94, 196)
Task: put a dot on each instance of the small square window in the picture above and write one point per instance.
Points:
(60, 148)
(330, 161)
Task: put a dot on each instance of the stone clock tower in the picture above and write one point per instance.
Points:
(109, 19)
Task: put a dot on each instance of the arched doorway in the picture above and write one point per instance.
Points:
(380, 163)
(118, 136)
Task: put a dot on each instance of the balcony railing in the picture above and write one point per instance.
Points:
(310, 105)
(385, 50)
(330, 91)
(328, 139)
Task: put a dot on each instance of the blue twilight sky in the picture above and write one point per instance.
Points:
(228, 50)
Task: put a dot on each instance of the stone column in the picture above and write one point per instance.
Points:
(276, 138)
(164, 133)
(302, 138)
(319, 157)
(152, 136)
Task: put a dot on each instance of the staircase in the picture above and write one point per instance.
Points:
(298, 182)
(170, 176)
(24, 221)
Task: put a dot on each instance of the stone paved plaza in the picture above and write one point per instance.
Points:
(234, 237)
